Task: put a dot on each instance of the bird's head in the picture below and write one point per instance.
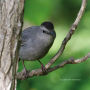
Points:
(48, 28)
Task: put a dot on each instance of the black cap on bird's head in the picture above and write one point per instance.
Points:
(48, 25)
(49, 28)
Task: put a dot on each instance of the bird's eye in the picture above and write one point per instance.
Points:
(44, 31)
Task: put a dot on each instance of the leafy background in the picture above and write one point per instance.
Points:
(62, 13)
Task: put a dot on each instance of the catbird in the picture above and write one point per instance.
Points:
(36, 42)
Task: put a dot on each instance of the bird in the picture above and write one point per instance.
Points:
(36, 42)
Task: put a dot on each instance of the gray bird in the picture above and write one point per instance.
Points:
(36, 42)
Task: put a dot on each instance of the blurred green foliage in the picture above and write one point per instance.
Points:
(62, 13)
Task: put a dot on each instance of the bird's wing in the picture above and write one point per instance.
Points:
(28, 33)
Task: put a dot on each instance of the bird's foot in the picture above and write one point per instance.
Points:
(25, 72)
(44, 70)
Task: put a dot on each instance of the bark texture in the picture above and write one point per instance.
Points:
(11, 12)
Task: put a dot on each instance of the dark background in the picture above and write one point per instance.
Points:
(62, 13)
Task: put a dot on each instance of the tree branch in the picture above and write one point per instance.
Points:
(69, 35)
(38, 72)
(70, 61)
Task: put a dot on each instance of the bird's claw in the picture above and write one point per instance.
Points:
(25, 72)
(44, 70)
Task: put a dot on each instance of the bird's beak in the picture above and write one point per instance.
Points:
(53, 33)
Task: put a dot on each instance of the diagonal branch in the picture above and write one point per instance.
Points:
(38, 72)
(69, 35)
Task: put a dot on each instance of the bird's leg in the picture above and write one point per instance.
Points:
(25, 70)
(24, 66)
(42, 67)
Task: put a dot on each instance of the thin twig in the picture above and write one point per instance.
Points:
(69, 35)
(70, 61)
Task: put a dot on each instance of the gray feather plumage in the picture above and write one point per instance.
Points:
(35, 43)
